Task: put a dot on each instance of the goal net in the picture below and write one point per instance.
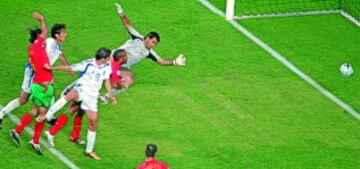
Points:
(244, 9)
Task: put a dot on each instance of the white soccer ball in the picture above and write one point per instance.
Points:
(346, 69)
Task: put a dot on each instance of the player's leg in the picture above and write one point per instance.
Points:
(92, 117)
(75, 134)
(72, 95)
(60, 123)
(42, 99)
(25, 121)
(126, 82)
(89, 104)
(24, 97)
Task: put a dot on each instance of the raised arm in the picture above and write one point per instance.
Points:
(123, 18)
(41, 19)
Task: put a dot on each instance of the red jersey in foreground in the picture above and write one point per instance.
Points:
(151, 163)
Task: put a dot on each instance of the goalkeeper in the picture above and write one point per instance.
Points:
(138, 48)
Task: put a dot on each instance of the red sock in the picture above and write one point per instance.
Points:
(39, 126)
(77, 127)
(25, 121)
(60, 123)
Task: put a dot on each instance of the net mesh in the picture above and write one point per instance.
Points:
(261, 7)
(351, 6)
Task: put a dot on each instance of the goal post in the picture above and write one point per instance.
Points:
(230, 10)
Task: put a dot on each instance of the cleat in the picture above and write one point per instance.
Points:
(103, 99)
(93, 155)
(36, 147)
(15, 137)
(1, 123)
(52, 121)
(50, 138)
(78, 141)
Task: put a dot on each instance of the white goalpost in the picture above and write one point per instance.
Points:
(230, 10)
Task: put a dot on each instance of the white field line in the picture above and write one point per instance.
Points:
(351, 18)
(285, 62)
(53, 150)
(288, 14)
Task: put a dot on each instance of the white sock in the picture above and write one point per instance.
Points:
(90, 142)
(56, 107)
(10, 107)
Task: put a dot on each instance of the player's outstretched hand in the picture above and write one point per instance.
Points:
(119, 9)
(180, 60)
(36, 15)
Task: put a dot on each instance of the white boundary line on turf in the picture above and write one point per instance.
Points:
(53, 150)
(285, 62)
(350, 18)
(287, 14)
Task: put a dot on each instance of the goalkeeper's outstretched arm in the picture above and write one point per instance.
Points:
(123, 18)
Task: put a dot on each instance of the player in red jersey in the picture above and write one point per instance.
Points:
(150, 162)
(42, 87)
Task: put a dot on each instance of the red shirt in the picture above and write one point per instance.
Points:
(115, 67)
(38, 58)
(151, 163)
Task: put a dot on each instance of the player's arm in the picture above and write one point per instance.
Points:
(179, 61)
(71, 68)
(44, 31)
(126, 22)
(64, 61)
(108, 89)
(123, 18)
(62, 67)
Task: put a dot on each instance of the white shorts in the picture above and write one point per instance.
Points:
(88, 99)
(68, 89)
(28, 77)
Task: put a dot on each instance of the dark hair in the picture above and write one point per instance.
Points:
(153, 35)
(57, 29)
(151, 150)
(102, 53)
(117, 53)
(34, 32)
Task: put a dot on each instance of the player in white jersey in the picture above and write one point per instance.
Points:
(93, 73)
(54, 52)
(137, 49)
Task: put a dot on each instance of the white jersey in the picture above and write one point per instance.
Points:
(136, 50)
(53, 50)
(91, 75)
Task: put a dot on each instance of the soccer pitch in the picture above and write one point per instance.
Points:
(232, 106)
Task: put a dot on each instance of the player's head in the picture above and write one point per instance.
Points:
(34, 32)
(120, 55)
(102, 55)
(58, 32)
(150, 150)
(151, 40)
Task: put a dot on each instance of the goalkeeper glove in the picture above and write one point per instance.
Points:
(180, 60)
(120, 10)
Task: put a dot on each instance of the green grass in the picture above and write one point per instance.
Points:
(232, 106)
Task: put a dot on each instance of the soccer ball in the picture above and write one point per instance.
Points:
(346, 70)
